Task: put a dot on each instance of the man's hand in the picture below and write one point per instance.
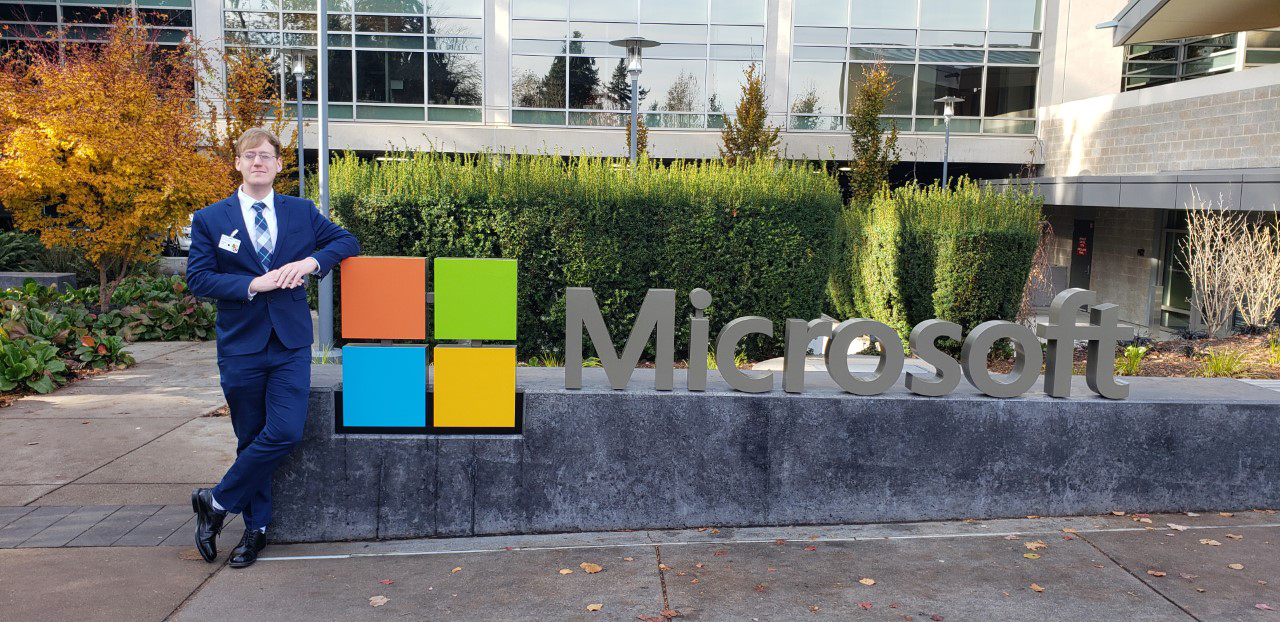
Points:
(290, 275)
(265, 283)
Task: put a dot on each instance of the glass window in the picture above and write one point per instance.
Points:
(950, 38)
(671, 33)
(529, 29)
(957, 14)
(299, 5)
(455, 115)
(677, 50)
(884, 14)
(1011, 92)
(1263, 39)
(603, 11)
(749, 52)
(876, 36)
(937, 81)
(246, 20)
(1015, 14)
(617, 86)
(340, 75)
(459, 8)
(527, 46)
(820, 35)
(903, 76)
(600, 31)
(724, 85)
(753, 35)
(300, 21)
(1020, 58)
(299, 39)
(454, 79)
(817, 88)
(886, 54)
(308, 79)
(678, 11)
(28, 13)
(820, 13)
(455, 44)
(599, 119)
(817, 53)
(340, 23)
(389, 6)
(1008, 126)
(675, 85)
(389, 77)
(253, 5)
(172, 18)
(538, 81)
(587, 89)
(738, 11)
(539, 9)
(388, 23)
(389, 41)
(951, 56)
(1013, 40)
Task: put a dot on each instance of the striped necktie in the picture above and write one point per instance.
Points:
(262, 236)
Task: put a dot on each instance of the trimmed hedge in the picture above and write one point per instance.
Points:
(757, 236)
(961, 255)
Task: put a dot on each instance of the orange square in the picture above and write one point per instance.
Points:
(384, 298)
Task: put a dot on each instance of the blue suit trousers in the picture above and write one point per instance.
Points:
(267, 393)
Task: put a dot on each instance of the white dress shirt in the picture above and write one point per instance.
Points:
(250, 216)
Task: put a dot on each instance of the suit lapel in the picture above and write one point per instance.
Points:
(235, 222)
(283, 213)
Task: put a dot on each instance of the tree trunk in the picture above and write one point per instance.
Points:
(104, 289)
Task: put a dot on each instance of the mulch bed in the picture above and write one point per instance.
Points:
(1184, 358)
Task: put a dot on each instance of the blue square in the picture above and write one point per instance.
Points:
(384, 386)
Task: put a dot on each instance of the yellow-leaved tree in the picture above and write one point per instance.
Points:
(250, 97)
(99, 148)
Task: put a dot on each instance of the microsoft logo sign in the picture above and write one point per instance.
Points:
(473, 304)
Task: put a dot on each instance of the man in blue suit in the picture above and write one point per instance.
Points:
(252, 253)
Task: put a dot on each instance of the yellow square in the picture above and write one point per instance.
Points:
(475, 387)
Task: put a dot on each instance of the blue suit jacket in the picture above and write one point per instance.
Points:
(244, 325)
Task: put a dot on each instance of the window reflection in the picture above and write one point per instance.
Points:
(883, 14)
(679, 11)
(1011, 91)
(902, 76)
(389, 77)
(724, 85)
(675, 85)
(454, 79)
(738, 11)
(538, 81)
(817, 88)
(937, 81)
(956, 14)
(1015, 15)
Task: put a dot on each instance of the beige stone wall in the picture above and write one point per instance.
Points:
(1229, 121)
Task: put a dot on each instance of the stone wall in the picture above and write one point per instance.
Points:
(1229, 121)
(597, 459)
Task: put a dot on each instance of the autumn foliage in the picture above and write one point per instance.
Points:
(249, 98)
(99, 149)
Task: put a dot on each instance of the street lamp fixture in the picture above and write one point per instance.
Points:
(948, 111)
(299, 73)
(634, 47)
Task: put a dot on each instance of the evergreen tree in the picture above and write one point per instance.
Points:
(584, 78)
(619, 88)
(748, 135)
(874, 150)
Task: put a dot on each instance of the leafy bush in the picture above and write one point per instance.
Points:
(1130, 363)
(32, 363)
(100, 351)
(1224, 364)
(757, 235)
(961, 255)
(19, 252)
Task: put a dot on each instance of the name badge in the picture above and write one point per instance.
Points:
(228, 243)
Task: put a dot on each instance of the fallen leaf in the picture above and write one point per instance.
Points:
(565, 571)
(811, 548)
(1192, 514)
(1210, 542)
(1031, 555)
(1144, 520)
(1200, 589)
(1189, 577)
(35, 443)
(681, 574)
(813, 537)
(1035, 587)
(190, 555)
(760, 587)
(1171, 535)
(866, 581)
(1235, 536)
(865, 605)
(773, 569)
(1033, 516)
(664, 567)
(779, 541)
(893, 605)
(378, 601)
(1264, 607)
(644, 618)
(694, 581)
(1156, 573)
(1261, 582)
(1236, 566)
(456, 570)
(1118, 513)
(937, 618)
(721, 553)
(1225, 514)
(699, 565)
(590, 567)
(1099, 566)
(1011, 538)
(628, 559)
(671, 613)
(595, 607)
(814, 608)
(1036, 546)
(1067, 538)
(1070, 530)
(386, 582)
(715, 531)
(1177, 527)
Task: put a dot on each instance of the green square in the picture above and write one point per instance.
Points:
(475, 299)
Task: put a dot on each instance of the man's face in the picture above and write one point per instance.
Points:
(258, 165)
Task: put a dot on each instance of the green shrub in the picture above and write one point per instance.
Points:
(757, 236)
(1130, 363)
(19, 252)
(845, 290)
(1224, 364)
(32, 363)
(960, 255)
(101, 351)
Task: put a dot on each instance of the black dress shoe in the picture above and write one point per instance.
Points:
(247, 551)
(208, 523)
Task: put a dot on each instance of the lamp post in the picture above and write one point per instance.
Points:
(299, 71)
(324, 294)
(634, 45)
(948, 111)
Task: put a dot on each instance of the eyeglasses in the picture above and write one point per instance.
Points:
(251, 156)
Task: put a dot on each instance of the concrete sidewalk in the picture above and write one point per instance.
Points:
(1088, 568)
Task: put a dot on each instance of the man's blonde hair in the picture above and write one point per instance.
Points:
(254, 137)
